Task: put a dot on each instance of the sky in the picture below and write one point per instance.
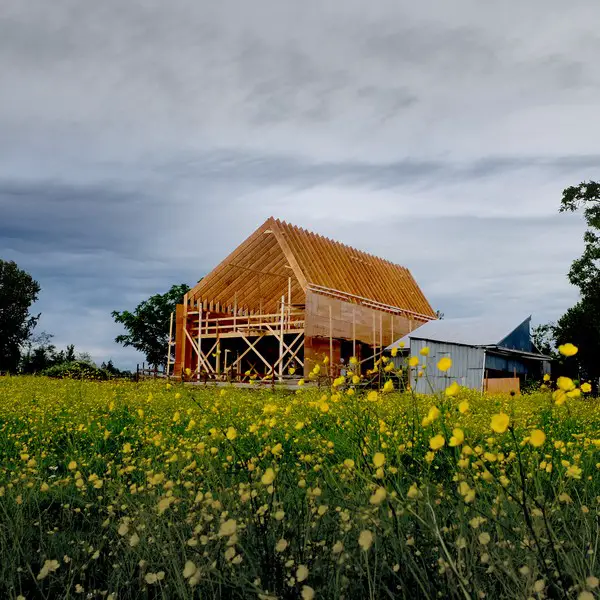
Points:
(141, 141)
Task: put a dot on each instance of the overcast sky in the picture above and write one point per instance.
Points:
(140, 141)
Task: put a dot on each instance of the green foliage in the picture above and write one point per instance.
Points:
(543, 339)
(76, 369)
(585, 271)
(134, 491)
(580, 325)
(18, 291)
(148, 324)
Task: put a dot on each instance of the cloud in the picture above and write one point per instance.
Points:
(142, 141)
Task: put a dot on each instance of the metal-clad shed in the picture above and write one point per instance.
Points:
(482, 351)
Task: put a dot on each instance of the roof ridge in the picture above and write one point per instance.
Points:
(365, 253)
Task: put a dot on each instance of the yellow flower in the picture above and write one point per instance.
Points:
(388, 386)
(537, 438)
(463, 407)
(500, 423)
(586, 388)
(268, 477)
(353, 360)
(372, 396)
(394, 351)
(378, 496)
(546, 377)
(281, 545)
(231, 433)
(413, 361)
(560, 397)
(189, 569)
(355, 379)
(444, 363)
(378, 459)
(567, 349)
(72, 465)
(300, 382)
(349, 463)
(291, 370)
(188, 371)
(413, 491)
(424, 351)
(458, 437)
(574, 472)
(452, 389)
(436, 442)
(307, 592)
(565, 383)
(228, 528)
(301, 573)
(365, 539)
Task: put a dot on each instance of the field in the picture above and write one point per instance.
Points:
(123, 490)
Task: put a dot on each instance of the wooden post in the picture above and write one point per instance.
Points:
(381, 332)
(374, 342)
(185, 324)
(169, 345)
(289, 310)
(330, 342)
(281, 339)
(353, 332)
(235, 309)
(392, 330)
(218, 351)
(199, 336)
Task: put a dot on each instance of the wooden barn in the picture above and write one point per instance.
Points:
(286, 298)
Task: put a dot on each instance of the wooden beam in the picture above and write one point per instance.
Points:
(282, 324)
(330, 342)
(169, 345)
(288, 253)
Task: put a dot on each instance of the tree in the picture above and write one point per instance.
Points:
(581, 324)
(18, 291)
(543, 338)
(585, 270)
(148, 324)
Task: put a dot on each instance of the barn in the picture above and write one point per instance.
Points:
(488, 354)
(285, 299)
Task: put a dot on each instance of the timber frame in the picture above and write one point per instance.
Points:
(285, 299)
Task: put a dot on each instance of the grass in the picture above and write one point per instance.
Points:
(122, 490)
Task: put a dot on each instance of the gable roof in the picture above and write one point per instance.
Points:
(471, 331)
(255, 275)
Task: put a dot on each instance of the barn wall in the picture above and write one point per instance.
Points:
(368, 321)
(466, 370)
(369, 326)
(504, 363)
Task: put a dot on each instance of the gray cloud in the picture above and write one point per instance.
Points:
(142, 141)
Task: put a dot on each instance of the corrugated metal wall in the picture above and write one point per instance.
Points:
(467, 366)
(503, 363)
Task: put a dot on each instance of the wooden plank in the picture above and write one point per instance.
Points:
(288, 253)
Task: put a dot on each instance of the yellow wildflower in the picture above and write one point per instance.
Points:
(537, 438)
(567, 349)
(437, 442)
(378, 459)
(500, 423)
(444, 363)
(458, 437)
(365, 539)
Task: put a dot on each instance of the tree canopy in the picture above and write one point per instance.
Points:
(148, 324)
(18, 291)
(581, 323)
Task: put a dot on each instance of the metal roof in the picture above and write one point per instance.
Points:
(471, 331)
